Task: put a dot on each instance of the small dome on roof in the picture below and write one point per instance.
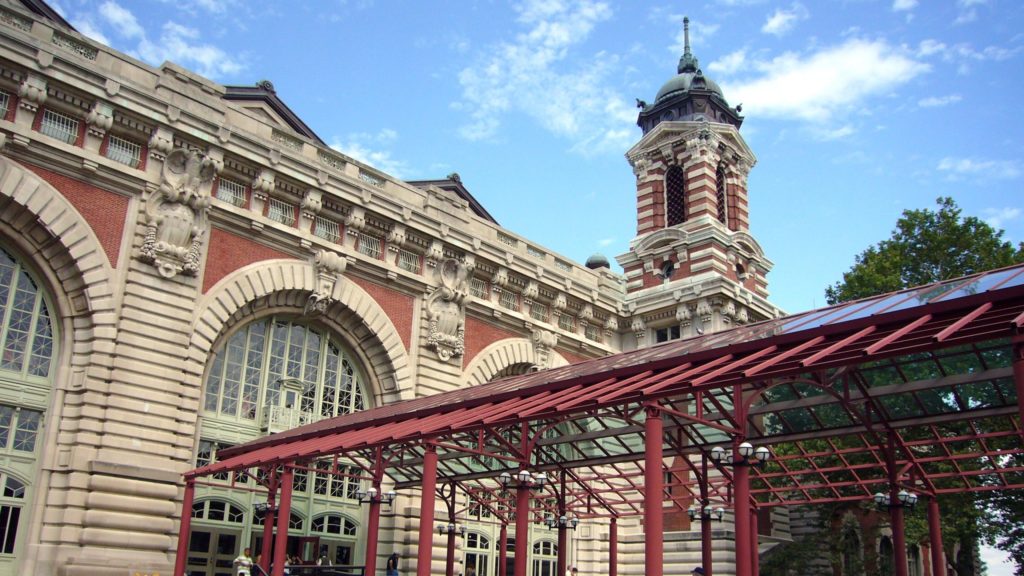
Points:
(684, 82)
(598, 261)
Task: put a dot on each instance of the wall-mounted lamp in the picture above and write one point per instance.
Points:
(749, 456)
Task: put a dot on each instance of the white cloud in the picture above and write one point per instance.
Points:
(730, 63)
(957, 168)
(605, 242)
(122, 20)
(700, 34)
(817, 86)
(835, 133)
(371, 149)
(903, 5)
(537, 74)
(967, 11)
(176, 42)
(782, 21)
(998, 217)
(938, 101)
(87, 27)
(929, 47)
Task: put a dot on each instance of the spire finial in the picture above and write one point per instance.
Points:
(687, 63)
(686, 34)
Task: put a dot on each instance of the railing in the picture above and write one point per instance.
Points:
(303, 570)
(280, 418)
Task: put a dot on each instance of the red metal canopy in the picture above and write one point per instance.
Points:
(924, 382)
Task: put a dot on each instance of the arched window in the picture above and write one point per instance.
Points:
(276, 356)
(723, 206)
(334, 524)
(885, 557)
(295, 522)
(478, 554)
(545, 558)
(675, 196)
(218, 511)
(26, 337)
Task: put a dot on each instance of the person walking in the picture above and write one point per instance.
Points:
(243, 564)
(392, 566)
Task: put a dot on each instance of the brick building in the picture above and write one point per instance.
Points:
(186, 266)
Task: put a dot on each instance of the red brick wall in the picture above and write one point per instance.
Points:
(480, 335)
(571, 358)
(399, 307)
(105, 211)
(229, 252)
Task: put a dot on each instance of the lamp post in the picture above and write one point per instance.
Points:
(895, 502)
(744, 457)
(373, 497)
(706, 513)
(523, 482)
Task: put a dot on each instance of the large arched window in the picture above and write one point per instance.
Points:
(27, 350)
(675, 196)
(545, 558)
(478, 554)
(26, 337)
(278, 362)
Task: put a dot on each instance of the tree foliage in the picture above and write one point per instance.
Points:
(926, 246)
(930, 246)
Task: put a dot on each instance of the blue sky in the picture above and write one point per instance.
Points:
(856, 109)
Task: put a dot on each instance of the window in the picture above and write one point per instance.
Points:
(478, 288)
(343, 485)
(592, 332)
(59, 126)
(539, 311)
(667, 333)
(508, 299)
(327, 229)
(5, 104)
(334, 524)
(720, 194)
(232, 192)
(675, 196)
(565, 322)
(295, 522)
(10, 512)
(545, 559)
(218, 511)
(409, 261)
(249, 368)
(281, 211)
(370, 245)
(478, 553)
(124, 151)
(26, 337)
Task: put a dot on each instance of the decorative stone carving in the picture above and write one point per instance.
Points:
(742, 315)
(640, 168)
(312, 203)
(32, 93)
(531, 290)
(329, 267)
(704, 309)
(611, 324)
(561, 301)
(729, 310)
(446, 310)
(435, 252)
(544, 342)
(587, 313)
(355, 220)
(100, 119)
(396, 237)
(639, 328)
(161, 143)
(176, 214)
(500, 277)
(684, 314)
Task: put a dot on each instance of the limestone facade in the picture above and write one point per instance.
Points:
(183, 269)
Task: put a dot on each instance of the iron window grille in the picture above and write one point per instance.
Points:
(409, 261)
(59, 126)
(231, 192)
(281, 211)
(370, 245)
(327, 229)
(124, 151)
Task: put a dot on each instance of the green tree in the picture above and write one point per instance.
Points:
(929, 246)
(926, 246)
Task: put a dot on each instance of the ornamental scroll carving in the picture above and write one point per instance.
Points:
(329, 267)
(176, 213)
(446, 310)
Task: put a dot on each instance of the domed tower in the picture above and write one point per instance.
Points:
(693, 266)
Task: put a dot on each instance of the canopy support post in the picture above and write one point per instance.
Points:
(935, 538)
(184, 527)
(755, 559)
(705, 525)
(284, 512)
(1018, 375)
(426, 541)
(268, 523)
(563, 552)
(741, 501)
(503, 550)
(613, 548)
(654, 493)
(522, 527)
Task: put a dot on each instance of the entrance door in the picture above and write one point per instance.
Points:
(211, 553)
